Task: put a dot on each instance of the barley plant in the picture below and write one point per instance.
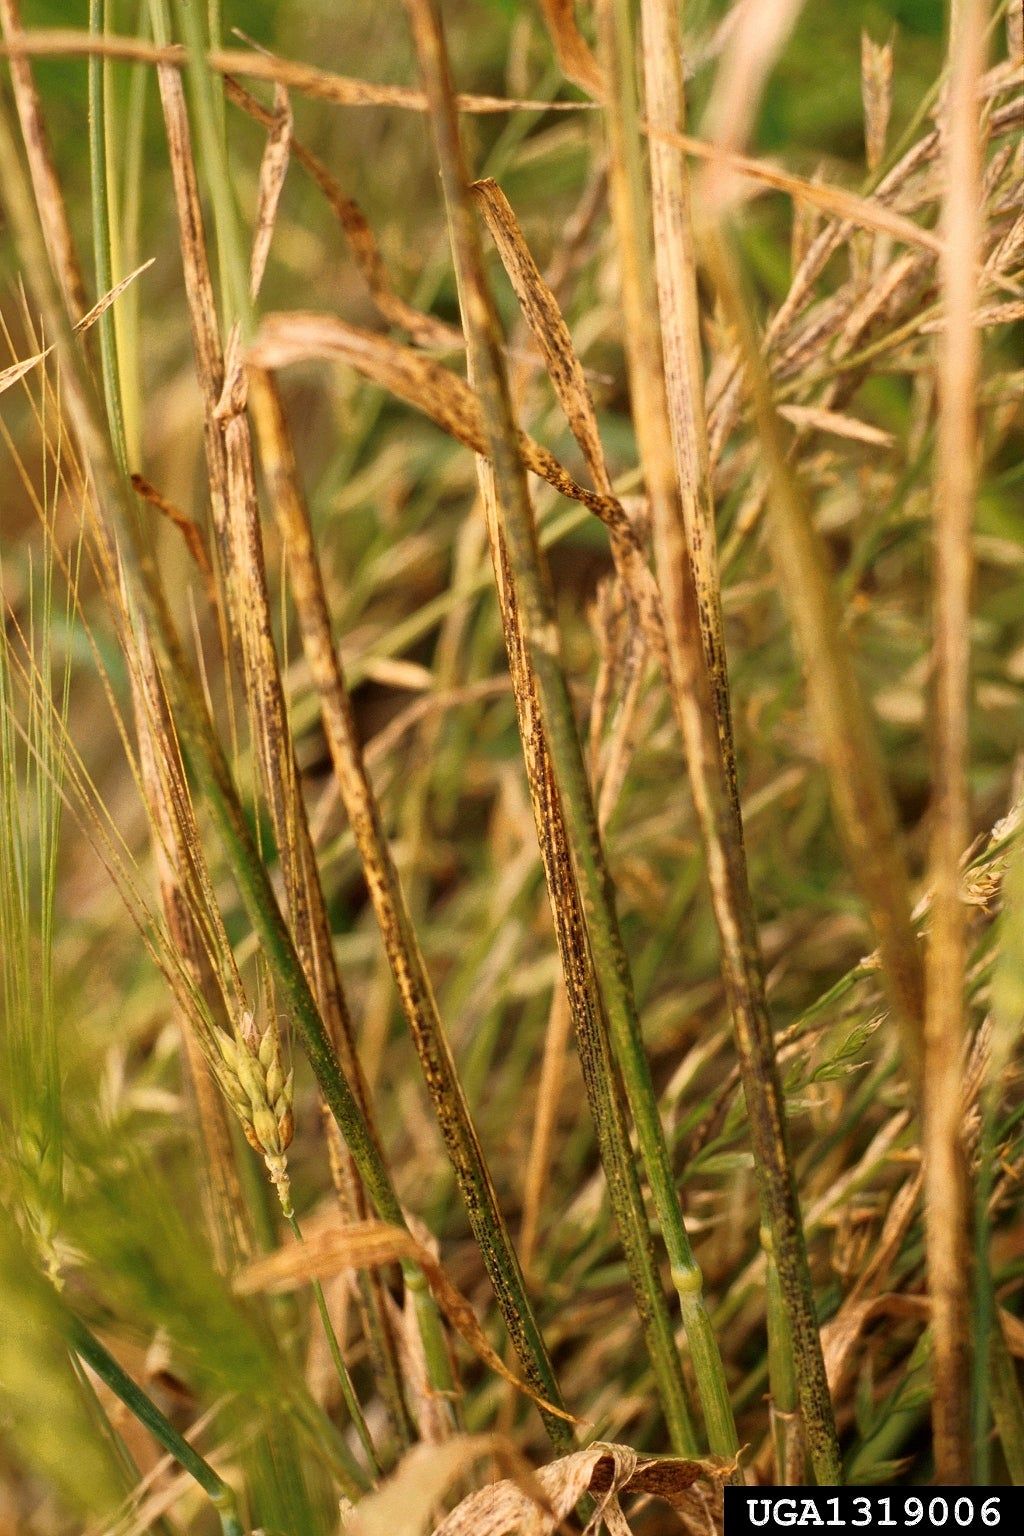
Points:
(511, 771)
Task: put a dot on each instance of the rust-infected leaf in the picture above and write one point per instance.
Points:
(543, 316)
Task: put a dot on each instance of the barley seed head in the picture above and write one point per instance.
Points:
(252, 1074)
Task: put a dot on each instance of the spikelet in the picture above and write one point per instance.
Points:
(251, 1072)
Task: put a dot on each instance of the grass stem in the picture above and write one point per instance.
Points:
(142, 1407)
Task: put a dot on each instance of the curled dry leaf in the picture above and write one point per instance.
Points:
(366, 1245)
(572, 50)
(507, 1508)
(433, 389)
(841, 1335)
(273, 169)
(407, 1501)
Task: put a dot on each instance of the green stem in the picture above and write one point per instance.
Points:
(347, 1389)
(89, 1348)
(787, 1429)
(98, 190)
(234, 276)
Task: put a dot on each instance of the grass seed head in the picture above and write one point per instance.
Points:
(260, 1091)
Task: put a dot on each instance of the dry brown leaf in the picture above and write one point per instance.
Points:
(321, 84)
(1013, 1332)
(842, 1333)
(837, 424)
(876, 90)
(273, 169)
(426, 329)
(189, 530)
(837, 201)
(11, 375)
(572, 50)
(692, 1488)
(406, 1502)
(365, 1245)
(433, 389)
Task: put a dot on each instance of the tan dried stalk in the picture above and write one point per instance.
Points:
(947, 1201)
(320, 84)
(191, 716)
(506, 448)
(388, 899)
(847, 738)
(231, 478)
(601, 1076)
(700, 700)
(676, 272)
(549, 1088)
(229, 1223)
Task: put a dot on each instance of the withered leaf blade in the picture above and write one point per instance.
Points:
(186, 526)
(407, 1500)
(444, 396)
(307, 79)
(507, 1508)
(392, 308)
(273, 169)
(10, 376)
(838, 424)
(366, 1245)
(866, 212)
